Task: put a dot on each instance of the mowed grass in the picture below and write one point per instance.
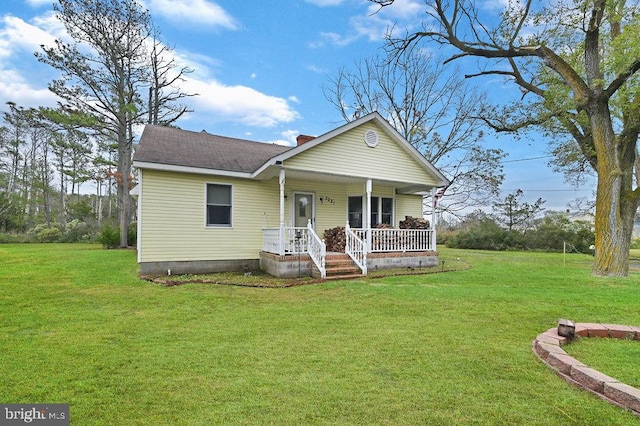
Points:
(619, 358)
(78, 326)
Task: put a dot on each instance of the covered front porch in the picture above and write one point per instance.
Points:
(299, 251)
(289, 251)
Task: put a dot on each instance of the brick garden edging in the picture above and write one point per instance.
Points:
(548, 347)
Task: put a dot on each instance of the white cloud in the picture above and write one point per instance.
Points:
(38, 3)
(316, 69)
(18, 36)
(288, 138)
(14, 88)
(50, 24)
(22, 79)
(198, 11)
(333, 39)
(375, 22)
(18, 67)
(203, 65)
(239, 104)
(217, 101)
(498, 5)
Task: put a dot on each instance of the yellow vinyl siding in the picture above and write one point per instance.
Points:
(173, 226)
(349, 155)
(408, 205)
(173, 218)
(329, 213)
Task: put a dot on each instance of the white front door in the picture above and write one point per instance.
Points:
(303, 209)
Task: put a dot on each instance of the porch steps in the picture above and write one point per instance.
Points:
(339, 266)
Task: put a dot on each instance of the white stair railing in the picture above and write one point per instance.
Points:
(356, 249)
(317, 250)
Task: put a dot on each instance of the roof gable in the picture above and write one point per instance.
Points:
(398, 150)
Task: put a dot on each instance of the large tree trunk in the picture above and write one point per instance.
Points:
(124, 198)
(615, 205)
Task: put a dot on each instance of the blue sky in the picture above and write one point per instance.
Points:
(259, 69)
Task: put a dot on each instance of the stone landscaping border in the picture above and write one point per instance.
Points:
(548, 347)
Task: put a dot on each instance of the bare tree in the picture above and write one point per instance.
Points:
(576, 63)
(435, 111)
(515, 214)
(164, 92)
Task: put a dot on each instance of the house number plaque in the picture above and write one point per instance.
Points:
(327, 200)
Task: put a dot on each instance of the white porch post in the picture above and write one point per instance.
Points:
(368, 215)
(281, 236)
(434, 217)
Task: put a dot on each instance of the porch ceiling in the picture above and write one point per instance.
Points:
(401, 187)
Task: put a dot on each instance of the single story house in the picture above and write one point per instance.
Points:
(209, 203)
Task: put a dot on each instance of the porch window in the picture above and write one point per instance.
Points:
(381, 210)
(218, 205)
(355, 212)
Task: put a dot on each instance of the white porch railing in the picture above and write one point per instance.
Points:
(356, 248)
(382, 240)
(317, 250)
(402, 240)
(296, 240)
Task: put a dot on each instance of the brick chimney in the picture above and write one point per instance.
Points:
(303, 139)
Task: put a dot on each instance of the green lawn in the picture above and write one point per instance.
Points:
(77, 326)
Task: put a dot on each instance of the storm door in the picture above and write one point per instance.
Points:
(303, 209)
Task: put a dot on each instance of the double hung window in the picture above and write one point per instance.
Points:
(355, 212)
(219, 205)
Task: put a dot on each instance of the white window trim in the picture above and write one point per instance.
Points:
(379, 207)
(206, 205)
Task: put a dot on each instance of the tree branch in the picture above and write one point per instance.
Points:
(621, 79)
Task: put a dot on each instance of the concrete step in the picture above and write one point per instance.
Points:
(340, 263)
(342, 277)
(345, 270)
(339, 266)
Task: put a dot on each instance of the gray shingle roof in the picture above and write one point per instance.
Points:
(166, 145)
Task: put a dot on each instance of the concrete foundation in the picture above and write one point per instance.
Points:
(421, 259)
(198, 266)
(289, 266)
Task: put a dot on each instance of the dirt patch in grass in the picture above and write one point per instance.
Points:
(253, 279)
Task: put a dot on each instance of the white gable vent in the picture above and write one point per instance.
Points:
(371, 138)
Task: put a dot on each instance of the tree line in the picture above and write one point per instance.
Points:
(114, 75)
(518, 225)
